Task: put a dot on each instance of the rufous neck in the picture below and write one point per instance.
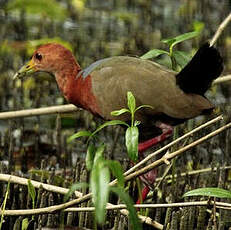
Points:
(64, 76)
(77, 89)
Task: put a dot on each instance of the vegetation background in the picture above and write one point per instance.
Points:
(95, 29)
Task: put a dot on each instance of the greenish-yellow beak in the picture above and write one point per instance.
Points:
(28, 68)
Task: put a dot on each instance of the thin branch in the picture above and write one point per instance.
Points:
(123, 207)
(222, 79)
(221, 205)
(41, 111)
(60, 190)
(36, 184)
(152, 155)
(176, 153)
(194, 172)
(220, 29)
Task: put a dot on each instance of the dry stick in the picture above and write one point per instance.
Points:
(220, 29)
(41, 111)
(129, 177)
(222, 79)
(174, 154)
(36, 184)
(194, 172)
(122, 206)
(171, 205)
(146, 159)
(57, 189)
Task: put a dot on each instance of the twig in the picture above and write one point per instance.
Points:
(41, 111)
(221, 205)
(146, 159)
(123, 206)
(194, 172)
(60, 190)
(222, 79)
(220, 29)
(36, 184)
(176, 153)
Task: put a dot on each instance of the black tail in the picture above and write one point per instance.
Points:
(205, 66)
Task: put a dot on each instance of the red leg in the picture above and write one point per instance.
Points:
(145, 192)
(166, 132)
(150, 177)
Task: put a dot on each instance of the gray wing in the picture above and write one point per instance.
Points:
(94, 66)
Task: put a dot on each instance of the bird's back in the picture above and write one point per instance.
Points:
(150, 83)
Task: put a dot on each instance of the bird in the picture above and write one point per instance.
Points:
(102, 87)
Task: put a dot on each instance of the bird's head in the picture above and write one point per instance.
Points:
(50, 58)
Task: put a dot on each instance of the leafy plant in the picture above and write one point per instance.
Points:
(211, 192)
(3, 206)
(132, 132)
(99, 184)
(178, 58)
(25, 223)
(101, 169)
(136, 225)
(31, 192)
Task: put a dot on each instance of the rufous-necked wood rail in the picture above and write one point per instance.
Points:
(102, 87)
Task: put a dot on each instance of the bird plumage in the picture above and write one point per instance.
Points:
(102, 87)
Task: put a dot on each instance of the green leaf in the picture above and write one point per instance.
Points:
(117, 171)
(133, 217)
(25, 223)
(153, 54)
(182, 58)
(131, 139)
(137, 123)
(79, 134)
(99, 184)
(99, 153)
(90, 156)
(144, 106)
(119, 112)
(73, 188)
(131, 102)
(173, 41)
(211, 192)
(31, 191)
(108, 123)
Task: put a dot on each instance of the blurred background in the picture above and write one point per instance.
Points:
(94, 29)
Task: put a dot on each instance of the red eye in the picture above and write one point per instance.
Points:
(38, 56)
